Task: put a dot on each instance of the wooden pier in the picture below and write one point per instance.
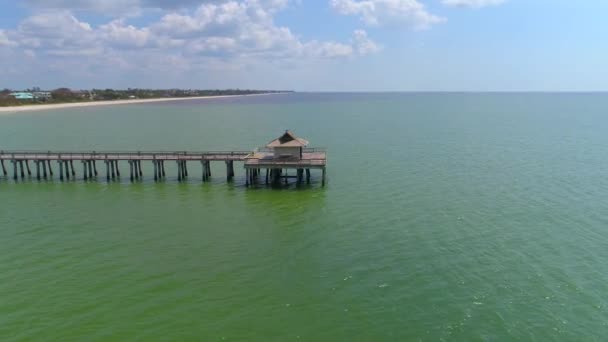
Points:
(276, 159)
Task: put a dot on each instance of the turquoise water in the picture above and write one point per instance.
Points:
(446, 217)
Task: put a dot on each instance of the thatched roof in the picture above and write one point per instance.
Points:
(288, 139)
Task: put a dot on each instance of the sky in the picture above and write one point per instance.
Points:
(306, 45)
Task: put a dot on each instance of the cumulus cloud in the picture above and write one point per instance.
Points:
(472, 3)
(225, 34)
(4, 41)
(388, 12)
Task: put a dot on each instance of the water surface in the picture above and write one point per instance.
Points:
(446, 217)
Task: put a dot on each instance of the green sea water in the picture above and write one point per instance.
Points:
(446, 217)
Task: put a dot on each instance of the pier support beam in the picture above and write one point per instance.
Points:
(67, 170)
(131, 177)
(112, 169)
(60, 162)
(323, 181)
(155, 165)
(179, 171)
(136, 169)
(27, 165)
(95, 167)
(141, 173)
(117, 169)
(107, 162)
(50, 168)
(308, 176)
(21, 166)
(90, 167)
(229, 170)
(44, 168)
(3, 167)
(72, 166)
(14, 169)
(84, 170)
(37, 162)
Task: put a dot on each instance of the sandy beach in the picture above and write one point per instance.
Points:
(29, 108)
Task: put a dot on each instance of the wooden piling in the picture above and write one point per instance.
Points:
(155, 165)
(323, 181)
(27, 165)
(72, 166)
(84, 170)
(112, 169)
(60, 162)
(95, 167)
(67, 170)
(308, 176)
(37, 169)
(44, 169)
(50, 168)
(3, 167)
(14, 169)
(117, 169)
(107, 162)
(21, 167)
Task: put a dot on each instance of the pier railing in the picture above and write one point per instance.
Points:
(122, 155)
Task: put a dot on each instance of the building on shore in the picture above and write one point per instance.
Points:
(22, 95)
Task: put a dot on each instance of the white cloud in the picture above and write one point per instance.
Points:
(472, 3)
(117, 33)
(388, 12)
(4, 41)
(227, 35)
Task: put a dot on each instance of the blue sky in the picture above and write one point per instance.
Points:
(305, 45)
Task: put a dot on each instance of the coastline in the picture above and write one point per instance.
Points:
(29, 108)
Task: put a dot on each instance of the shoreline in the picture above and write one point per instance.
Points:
(30, 108)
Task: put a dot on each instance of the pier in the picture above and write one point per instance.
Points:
(276, 160)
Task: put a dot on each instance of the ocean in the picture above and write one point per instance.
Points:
(446, 217)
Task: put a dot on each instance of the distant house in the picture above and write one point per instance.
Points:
(22, 96)
(287, 146)
(42, 95)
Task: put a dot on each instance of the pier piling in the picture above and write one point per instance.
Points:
(27, 165)
(323, 180)
(44, 169)
(21, 169)
(107, 170)
(3, 167)
(37, 169)
(112, 170)
(60, 162)
(67, 170)
(155, 166)
(50, 168)
(14, 169)
(84, 170)
(179, 171)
